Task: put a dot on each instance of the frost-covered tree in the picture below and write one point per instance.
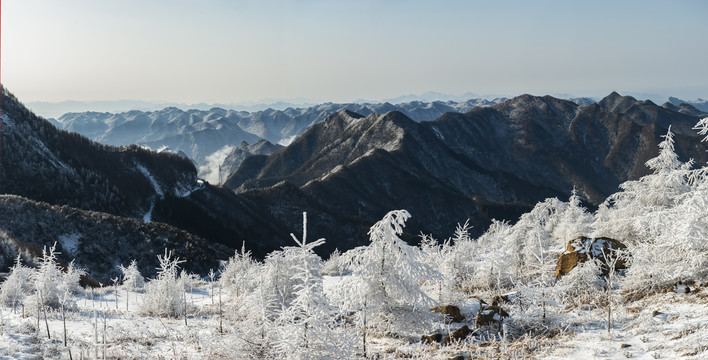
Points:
(164, 294)
(574, 221)
(463, 256)
(16, 286)
(257, 325)
(334, 266)
(668, 220)
(444, 259)
(47, 280)
(384, 288)
(240, 278)
(623, 214)
(133, 280)
(306, 327)
(511, 254)
(71, 278)
(495, 266)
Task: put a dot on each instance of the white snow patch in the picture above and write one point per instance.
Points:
(148, 215)
(69, 242)
(154, 183)
(287, 140)
(438, 134)
(332, 172)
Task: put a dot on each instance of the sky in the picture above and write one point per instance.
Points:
(228, 51)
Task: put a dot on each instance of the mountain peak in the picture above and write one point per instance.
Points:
(350, 114)
(616, 102)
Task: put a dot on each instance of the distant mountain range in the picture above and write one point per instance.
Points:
(494, 161)
(94, 199)
(201, 133)
(346, 170)
(699, 103)
(206, 136)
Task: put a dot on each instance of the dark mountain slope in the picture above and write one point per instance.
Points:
(223, 217)
(98, 241)
(490, 162)
(62, 168)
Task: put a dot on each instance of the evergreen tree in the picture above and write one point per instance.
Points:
(384, 288)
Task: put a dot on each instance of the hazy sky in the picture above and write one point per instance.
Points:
(238, 50)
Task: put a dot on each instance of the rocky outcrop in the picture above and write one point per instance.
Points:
(432, 339)
(504, 299)
(451, 313)
(583, 248)
(679, 287)
(490, 315)
(459, 335)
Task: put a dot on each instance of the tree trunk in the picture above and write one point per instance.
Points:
(221, 327)
(63, 318)
(46, 323)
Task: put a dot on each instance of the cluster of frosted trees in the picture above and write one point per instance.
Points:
(35, 289)
(278, 307)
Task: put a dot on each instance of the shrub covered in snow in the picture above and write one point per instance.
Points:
(164, 295)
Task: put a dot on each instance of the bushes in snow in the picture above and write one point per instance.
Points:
(164, 295)
(16, 286)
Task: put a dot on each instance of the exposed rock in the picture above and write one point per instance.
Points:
(451, 313)
(583, 248)
(431, 339)
(505, 299)
(459, 335)
(680, 288)
(490, 315)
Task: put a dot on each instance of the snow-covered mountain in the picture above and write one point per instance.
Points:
(348, 170)
(699, 104)
(200, 133)
(105, 198)
(491, 162)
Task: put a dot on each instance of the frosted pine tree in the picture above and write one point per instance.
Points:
(47, 279)
(672, 226)
(622, 215)
(384, 288)
(574, 221)
(132, 279)
(307, 329)
(496, 266)
(463, 256)
(240, 278)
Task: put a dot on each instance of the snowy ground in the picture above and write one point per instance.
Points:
(662, 326)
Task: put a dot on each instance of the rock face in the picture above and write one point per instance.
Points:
(583, 248)
(450, 312)
(490, 315)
